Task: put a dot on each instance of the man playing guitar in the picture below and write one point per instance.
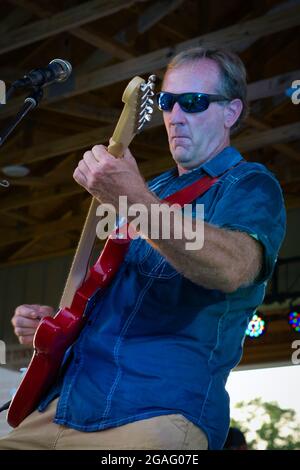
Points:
(148, 371)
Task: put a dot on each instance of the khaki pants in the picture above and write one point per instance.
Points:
(168, 432)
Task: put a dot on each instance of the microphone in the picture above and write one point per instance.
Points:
(58, 70)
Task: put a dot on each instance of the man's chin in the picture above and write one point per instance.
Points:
(181, 156)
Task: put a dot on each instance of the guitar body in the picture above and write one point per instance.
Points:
(55, 335)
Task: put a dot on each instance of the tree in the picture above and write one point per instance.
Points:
(267, 426)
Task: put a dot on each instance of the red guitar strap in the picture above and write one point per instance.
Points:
(196, 189)
(191, 192)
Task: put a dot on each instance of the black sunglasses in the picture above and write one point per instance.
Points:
(188, 102)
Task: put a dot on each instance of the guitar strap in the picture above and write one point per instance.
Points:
(196, 189)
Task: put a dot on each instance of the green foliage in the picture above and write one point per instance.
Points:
(267, 426)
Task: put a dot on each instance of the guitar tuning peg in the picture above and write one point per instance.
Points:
(147, 117)
(149, 110)
(152, 78)
(150, 101)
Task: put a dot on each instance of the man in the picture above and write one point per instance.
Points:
(150, 368)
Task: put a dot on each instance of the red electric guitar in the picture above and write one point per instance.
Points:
(55, 335)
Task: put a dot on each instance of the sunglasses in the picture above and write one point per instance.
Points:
(188, 102)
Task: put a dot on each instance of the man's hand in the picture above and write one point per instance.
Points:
(26, 320)
(107, 177)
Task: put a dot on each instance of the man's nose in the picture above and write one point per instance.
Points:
(177, 116)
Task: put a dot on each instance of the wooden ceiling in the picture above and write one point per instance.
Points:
(108, 42)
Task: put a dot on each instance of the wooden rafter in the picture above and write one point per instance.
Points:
(14, 20)
(81, 33)
(271, 136)
(284, 149)
(60, 22)
(151, 16)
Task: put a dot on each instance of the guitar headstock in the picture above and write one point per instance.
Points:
(137, 111)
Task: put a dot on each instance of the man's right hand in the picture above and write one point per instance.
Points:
(26, 320)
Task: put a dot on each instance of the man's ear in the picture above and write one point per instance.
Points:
(232, 111)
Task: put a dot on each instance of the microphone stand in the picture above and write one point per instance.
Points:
(29, 104)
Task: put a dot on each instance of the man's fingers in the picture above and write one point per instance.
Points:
(91, 161)
(26, 340)
(32, 311)
(25, 331)
(79, 177)
(25, 322)
(99, 151)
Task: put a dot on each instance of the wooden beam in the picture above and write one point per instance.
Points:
(24, 218)
(277, 135)
(246, 43)
(43, 197)
(81, 33)
(269, 87)
(18, 253)
(13, 20)
(32, 7)
(40, 257)
(63, 21)
(86, 111)
(59, 146)
(104, 43)
(281, 148)
(146, 20)
(55, 227)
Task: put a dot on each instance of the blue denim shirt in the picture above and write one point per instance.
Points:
(156, 343)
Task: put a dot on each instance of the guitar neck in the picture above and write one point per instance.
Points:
(82, 257)
(132, 118)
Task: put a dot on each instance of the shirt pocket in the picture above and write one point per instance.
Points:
(149, 261)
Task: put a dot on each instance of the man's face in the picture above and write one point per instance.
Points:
(195, 138)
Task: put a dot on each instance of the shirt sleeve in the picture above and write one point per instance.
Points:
(254, 204)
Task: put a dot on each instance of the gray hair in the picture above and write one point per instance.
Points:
(233, 82)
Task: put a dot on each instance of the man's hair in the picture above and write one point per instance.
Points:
(233, 74)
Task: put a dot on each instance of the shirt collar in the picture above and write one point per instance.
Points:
(220, 163)
(224, 160)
